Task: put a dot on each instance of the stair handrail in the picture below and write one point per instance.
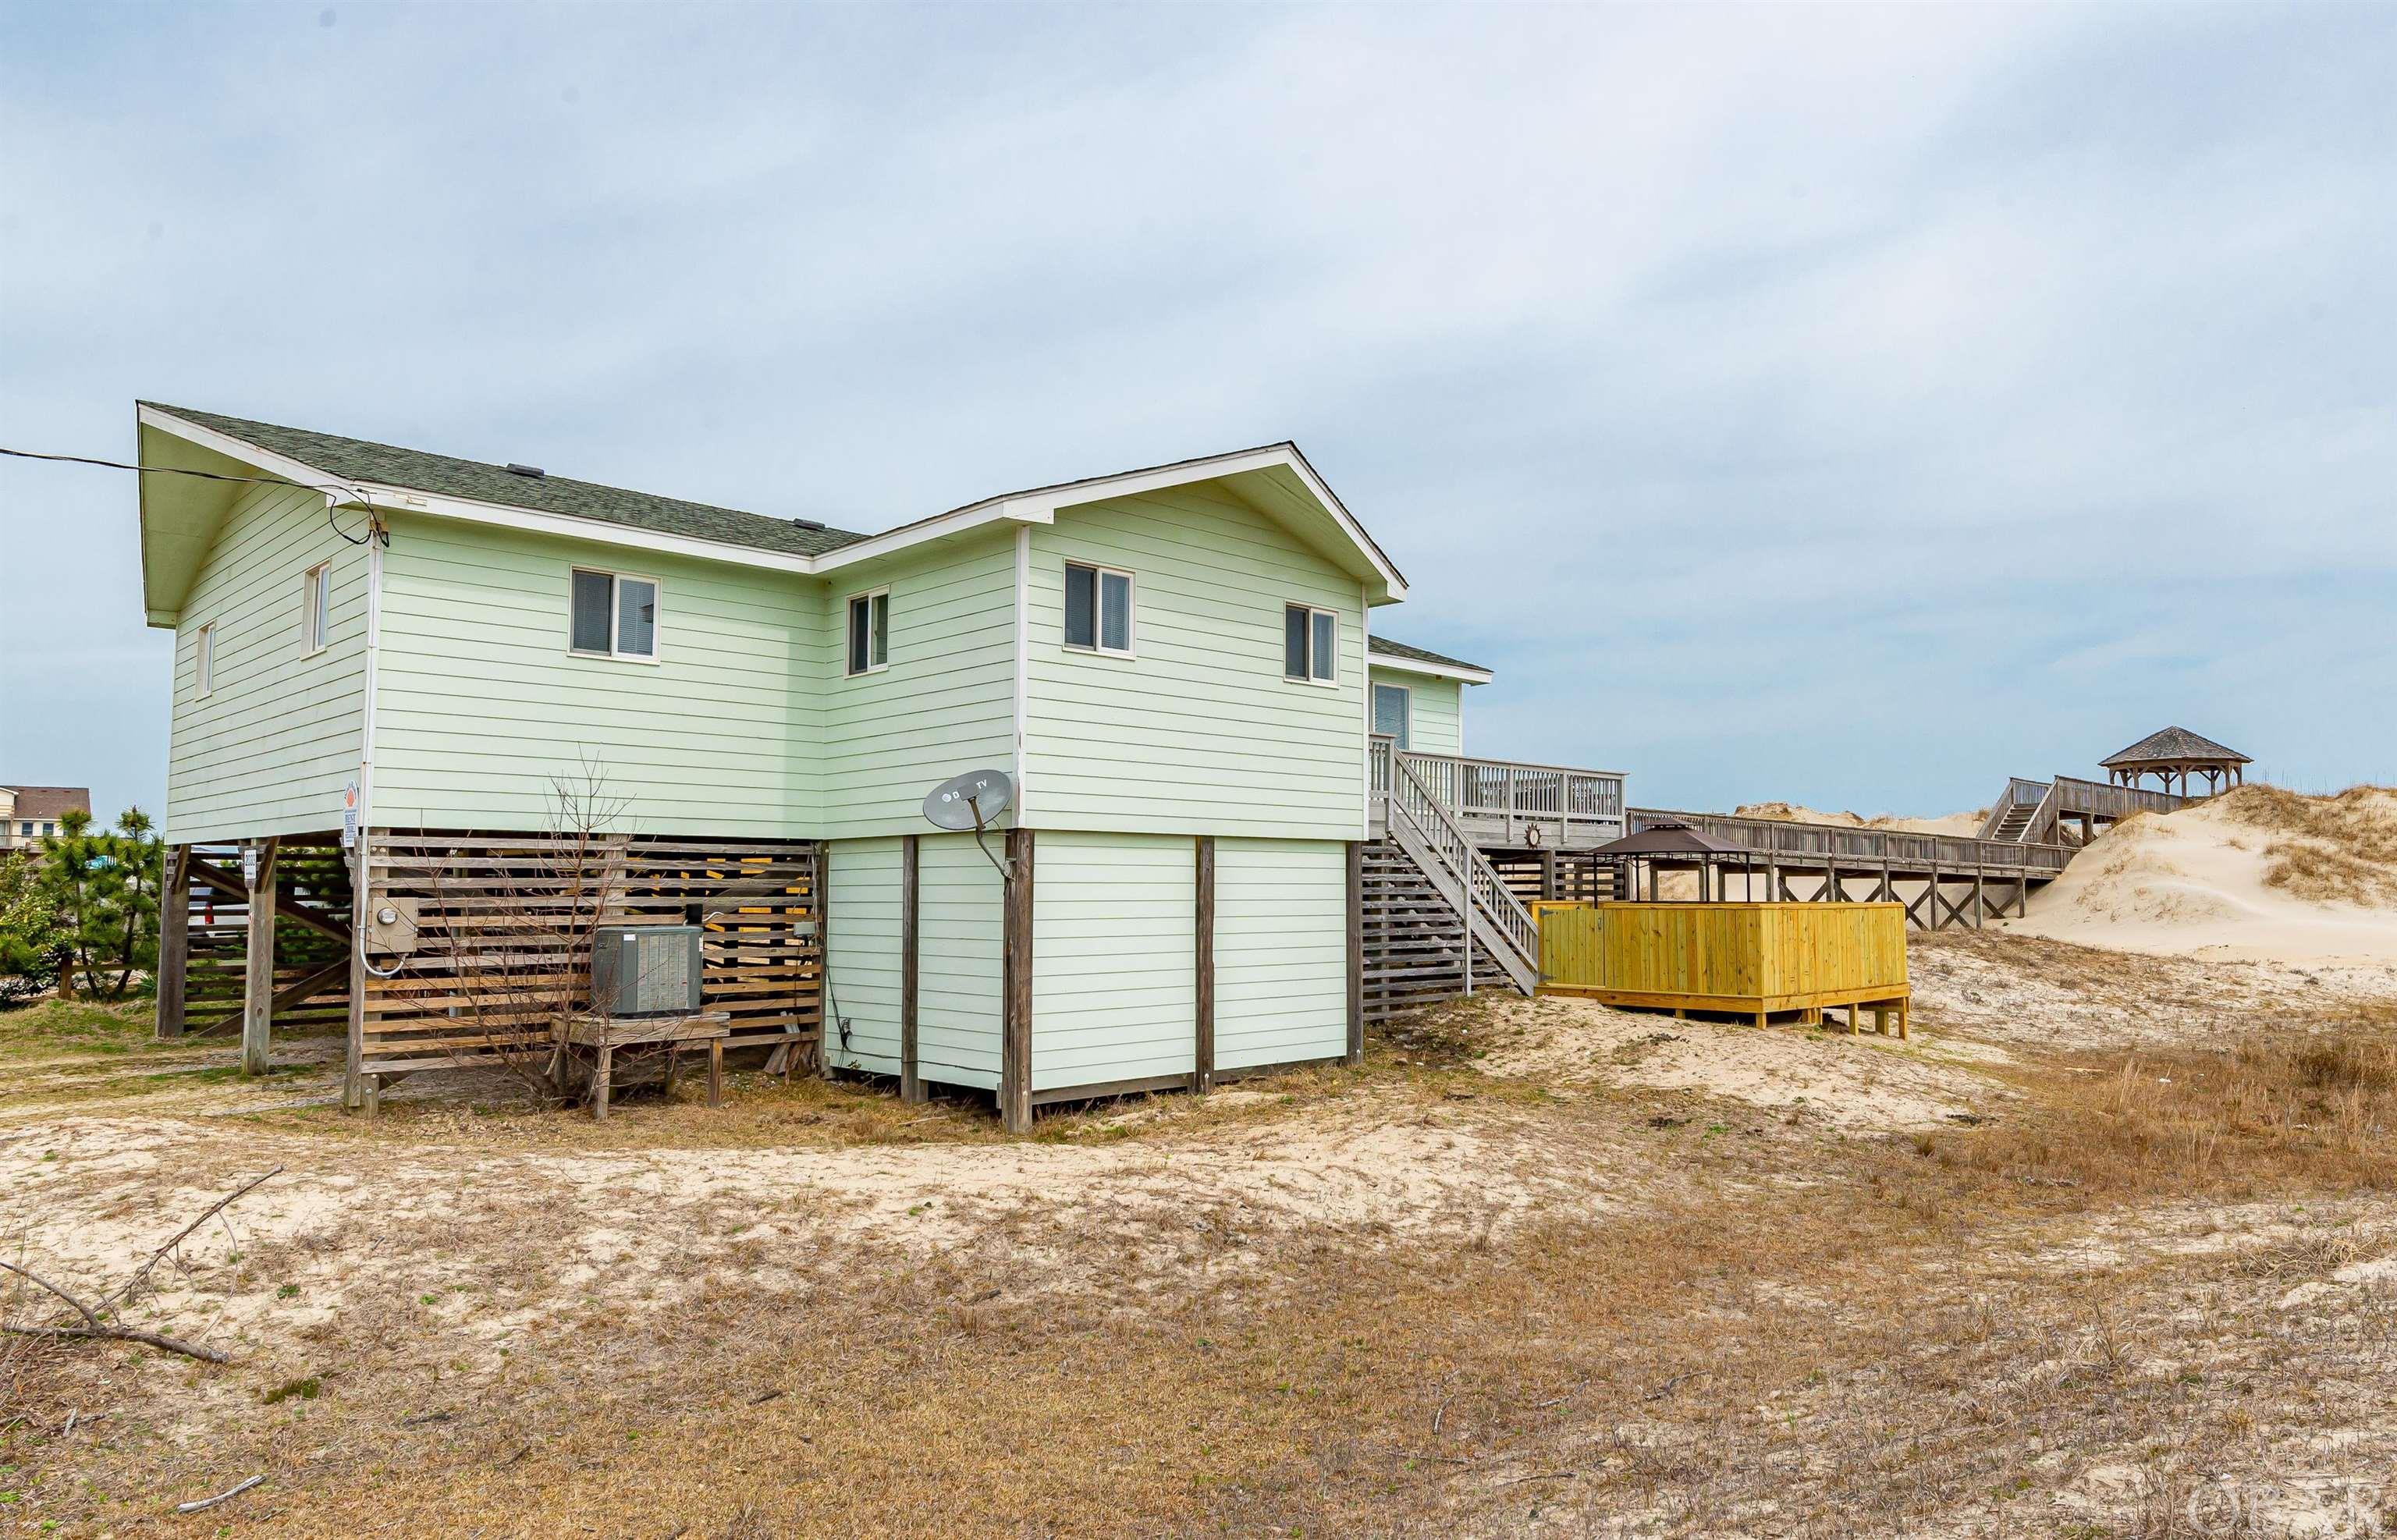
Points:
(1484, 887)
(2018, 792)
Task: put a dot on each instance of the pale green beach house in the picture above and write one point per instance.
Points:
(1214, 757)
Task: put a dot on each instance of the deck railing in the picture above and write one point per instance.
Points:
(1809, 844)
(1502, 802)
(1457, 866)
(2100, 800)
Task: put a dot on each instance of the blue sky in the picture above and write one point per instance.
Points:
(1855, 405)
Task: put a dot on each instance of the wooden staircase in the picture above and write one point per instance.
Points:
(1440, 918)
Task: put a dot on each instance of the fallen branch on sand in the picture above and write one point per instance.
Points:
(95, 1323)
(228, 1495)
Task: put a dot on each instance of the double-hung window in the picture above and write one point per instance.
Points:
(1310, 644)
(316, 606)
(869, 632)
(203, 659)
(615, 616)
(1098, 609)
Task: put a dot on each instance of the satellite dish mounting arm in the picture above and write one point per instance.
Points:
(1005, 867)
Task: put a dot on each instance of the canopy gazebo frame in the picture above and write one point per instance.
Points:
(2174, 755)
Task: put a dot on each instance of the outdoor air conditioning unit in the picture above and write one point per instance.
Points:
(645, 970)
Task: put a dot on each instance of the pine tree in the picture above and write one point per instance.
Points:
(104, 887)
(33, 942)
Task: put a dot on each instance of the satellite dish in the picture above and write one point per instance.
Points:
(970, 801)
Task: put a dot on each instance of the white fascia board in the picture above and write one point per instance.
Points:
(242, 449)
(1268, 458)
(1012, 510)
(1389, 664)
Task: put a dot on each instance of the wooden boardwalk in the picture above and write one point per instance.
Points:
(1943, 880)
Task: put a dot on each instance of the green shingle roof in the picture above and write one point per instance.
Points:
(360, 460)
(1382, 647)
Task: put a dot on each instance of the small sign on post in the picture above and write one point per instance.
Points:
(249, 867)
(350, 816)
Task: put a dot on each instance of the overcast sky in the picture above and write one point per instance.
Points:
(1853, 406)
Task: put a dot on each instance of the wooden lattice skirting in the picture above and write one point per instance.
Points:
(502, 924)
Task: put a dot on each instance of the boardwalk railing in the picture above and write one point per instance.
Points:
(2098, 799)
(1779, 843)
(1423, 827)
(1507, 803)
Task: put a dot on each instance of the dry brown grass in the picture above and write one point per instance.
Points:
(1790, 1331)
(2340, 849)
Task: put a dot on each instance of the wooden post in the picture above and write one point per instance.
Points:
(911, 1078)
(174, 938)
(1356, 953)
(1830, 878)
(1015, 1035)
(1548, 875)
(1202, 1062)
(1980, 910)
(257, 979)
(827, 1027)
(354, 1091)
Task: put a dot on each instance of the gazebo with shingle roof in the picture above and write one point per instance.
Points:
(2177, 752)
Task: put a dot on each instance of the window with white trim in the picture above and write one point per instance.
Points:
(316, 606)
(1394, 711)
(203, 659)
(1098, 609)
(1310, 644)
(869, 632)
(614, 615)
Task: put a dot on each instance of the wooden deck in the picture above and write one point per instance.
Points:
(1507, 804)
(1747, 959)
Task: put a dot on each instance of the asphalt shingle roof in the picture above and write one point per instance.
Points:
(361, 460)
(2174, 744)
(51, 801)
(1385, 648)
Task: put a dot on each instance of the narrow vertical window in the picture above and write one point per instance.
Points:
(1394, 713)
(1081, 605)
(1099, 609)
(637, 618)
(595, 596)
(316, 601)
(1310, 644)
(203, 660)
(869, 632)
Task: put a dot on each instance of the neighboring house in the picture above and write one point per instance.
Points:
(1175, 665)
(27, 813)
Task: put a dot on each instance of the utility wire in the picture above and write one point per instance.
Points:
(345, 494)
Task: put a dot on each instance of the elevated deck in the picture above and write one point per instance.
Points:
(1508, 805)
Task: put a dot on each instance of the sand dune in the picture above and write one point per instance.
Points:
(2256, 874)
(1956, 823)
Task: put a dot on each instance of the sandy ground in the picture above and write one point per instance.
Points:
(472, 1279)
(2201, 882)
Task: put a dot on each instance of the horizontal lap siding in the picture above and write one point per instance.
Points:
(1282, 951)
(482, 712)
(1198, 733)
(946, 701)
(958, 963)
(1437, 725)
(861, 943)
(1115, 991)
(270, 749)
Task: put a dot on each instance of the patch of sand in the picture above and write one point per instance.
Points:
(1864, 1082)
(2230, 880)
(1960, 824)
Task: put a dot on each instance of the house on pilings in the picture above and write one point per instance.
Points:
(424, 706)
